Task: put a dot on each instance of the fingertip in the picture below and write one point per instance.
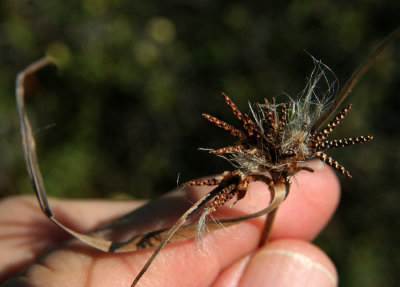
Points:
(289, 262)
(312, 200)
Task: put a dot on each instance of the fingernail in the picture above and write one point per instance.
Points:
(281, 268)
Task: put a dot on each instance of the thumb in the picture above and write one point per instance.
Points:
(289, 262)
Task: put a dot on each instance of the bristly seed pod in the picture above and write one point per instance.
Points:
(280, 138)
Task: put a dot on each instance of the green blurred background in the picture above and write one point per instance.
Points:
(121, 117)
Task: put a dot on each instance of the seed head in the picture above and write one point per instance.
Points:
(278, 138)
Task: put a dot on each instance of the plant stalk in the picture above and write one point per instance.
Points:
(268, 226)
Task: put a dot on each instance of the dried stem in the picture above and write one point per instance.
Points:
(357, 74)
(282, 188)
(268, 227)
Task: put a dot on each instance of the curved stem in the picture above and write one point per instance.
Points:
(349, 85)
(267, 227)
(283, 189)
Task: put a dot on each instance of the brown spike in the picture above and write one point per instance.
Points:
(233, 107)
(200, 182)
(270, 121)
(228, 149)
(223, 197)
(343, 142)
(232, 130)
(282, 119)
(332, 124)
(333, 163)
(247, 123)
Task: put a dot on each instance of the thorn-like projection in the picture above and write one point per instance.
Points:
(223, 197)
(228, 149)
(233, 131)
(282, 119)
(333, 163)
(332, 124)
(200, 182)
(343, 142)
(247, 123)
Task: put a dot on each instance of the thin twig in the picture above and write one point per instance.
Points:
(268, 227)
(357, 74)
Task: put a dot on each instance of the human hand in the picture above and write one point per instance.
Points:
(229, 257)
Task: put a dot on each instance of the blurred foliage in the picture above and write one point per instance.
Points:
(121, 117)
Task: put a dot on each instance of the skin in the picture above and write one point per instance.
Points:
(35, 252)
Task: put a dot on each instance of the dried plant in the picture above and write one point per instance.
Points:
(271, 147)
